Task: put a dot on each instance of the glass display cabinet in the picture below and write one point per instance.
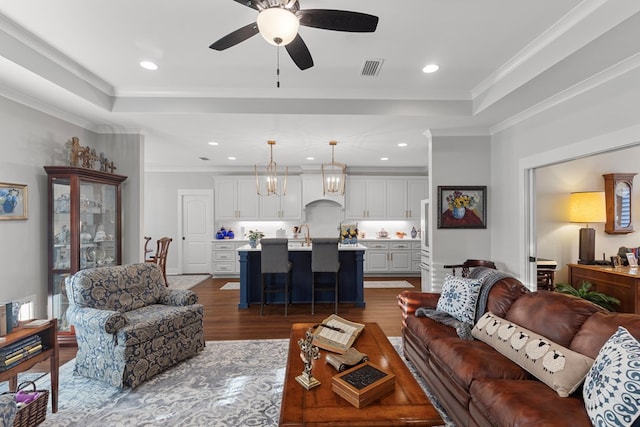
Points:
(84, 231)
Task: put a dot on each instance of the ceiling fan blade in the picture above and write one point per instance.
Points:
(235, 37)
(300, 54)
(338, 20)
(253, 4)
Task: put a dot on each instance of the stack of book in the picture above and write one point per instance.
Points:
(19, 351)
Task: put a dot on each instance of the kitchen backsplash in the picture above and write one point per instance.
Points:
(320, 226)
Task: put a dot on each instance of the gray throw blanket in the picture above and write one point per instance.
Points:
(463, 329)
(488, 277)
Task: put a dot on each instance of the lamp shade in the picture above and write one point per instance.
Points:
(278, 26)
(587, 207)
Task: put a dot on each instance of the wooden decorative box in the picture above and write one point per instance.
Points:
(363, 384)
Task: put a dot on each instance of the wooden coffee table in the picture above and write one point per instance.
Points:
(321, 406)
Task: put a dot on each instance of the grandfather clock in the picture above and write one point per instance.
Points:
(617, 190)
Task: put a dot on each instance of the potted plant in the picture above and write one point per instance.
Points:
(254, 236)
(595, 297)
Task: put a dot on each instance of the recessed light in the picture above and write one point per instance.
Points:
(213, 143)
(311, 158)
(402, 144)
(148, 65)
(384, 158)
(431, 68)
(231, 158)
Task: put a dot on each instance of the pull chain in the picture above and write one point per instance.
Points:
(278, 68)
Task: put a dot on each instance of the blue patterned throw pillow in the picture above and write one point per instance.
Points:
(458, 298)
(611, 389)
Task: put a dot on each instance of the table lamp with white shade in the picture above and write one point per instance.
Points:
(587, 208)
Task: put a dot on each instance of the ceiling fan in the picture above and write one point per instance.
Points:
(278, 22)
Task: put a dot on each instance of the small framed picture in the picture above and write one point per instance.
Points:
(633, 262)
(462, 207)
(13, 201)
(615, 261)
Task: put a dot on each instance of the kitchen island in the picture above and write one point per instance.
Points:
(351, 276)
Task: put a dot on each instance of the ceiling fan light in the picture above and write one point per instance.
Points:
(278, 26)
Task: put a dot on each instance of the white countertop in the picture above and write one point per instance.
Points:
(297, 247)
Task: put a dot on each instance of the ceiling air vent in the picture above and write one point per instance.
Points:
(371, 67)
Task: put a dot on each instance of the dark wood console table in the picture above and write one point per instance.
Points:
(619, 282)
(49, 336)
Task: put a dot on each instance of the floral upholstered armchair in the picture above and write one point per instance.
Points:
(129, 326)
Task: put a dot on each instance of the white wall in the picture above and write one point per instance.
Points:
(161, 205)
(465, 161)
(31, 140)
(592, 122)
(557, 237)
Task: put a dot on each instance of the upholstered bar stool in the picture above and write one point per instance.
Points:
(274, 260)
(324, 259)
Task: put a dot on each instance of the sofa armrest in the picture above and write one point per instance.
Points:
(93, 319)
(178, 297)
(410, 301)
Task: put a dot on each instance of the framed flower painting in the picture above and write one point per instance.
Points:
(13, 201)
(462, 207)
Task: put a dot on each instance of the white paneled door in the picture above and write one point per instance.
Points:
(197, 224)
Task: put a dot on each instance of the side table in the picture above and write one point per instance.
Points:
(49, 336)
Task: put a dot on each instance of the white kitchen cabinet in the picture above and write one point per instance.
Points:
(400, 257)
(415, 256)
(392, 256)
(403, 198)
(376, 257)
(236, 198)
(287, 207)
(366, 198)
(417, 190)
(226, 261)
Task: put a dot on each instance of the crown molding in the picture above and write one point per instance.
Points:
(586, 22)
(460, 132)
(45, 108)
(628, 65)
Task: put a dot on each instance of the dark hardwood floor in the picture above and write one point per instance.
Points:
(224, 321)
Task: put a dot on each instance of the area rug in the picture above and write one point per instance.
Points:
(380, 284)
(231, 383)
(186, 281)
(368, 284)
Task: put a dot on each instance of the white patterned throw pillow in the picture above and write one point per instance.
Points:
(558, 367)
(611, 389)
(458, 298)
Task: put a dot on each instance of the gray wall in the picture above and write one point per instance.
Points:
(590, 123)
(464, 161)
(557, 238)
(32, 140)
(161, 205)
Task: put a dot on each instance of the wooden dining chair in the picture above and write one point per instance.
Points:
(145, 255)
(469, 264)
(160, 257)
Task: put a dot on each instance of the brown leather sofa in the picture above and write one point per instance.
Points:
(477, 385)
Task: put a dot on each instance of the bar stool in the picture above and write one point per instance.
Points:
(274, 259)
(324, 259)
